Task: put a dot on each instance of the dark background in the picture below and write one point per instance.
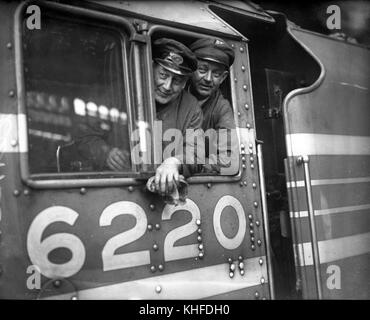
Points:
(355, 16)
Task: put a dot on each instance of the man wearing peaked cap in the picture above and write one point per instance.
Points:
(214, 57)
(173, 64)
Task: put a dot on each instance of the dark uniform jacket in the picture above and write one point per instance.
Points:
(218, 114)
(182, 113)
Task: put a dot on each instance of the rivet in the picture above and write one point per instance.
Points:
(262, 280)
(232, 267)
(13, 143)
(160, 267)
(252, 166)
(252, 239)
(130, 188)
(242, 272)
(244, 166)
(239, 114)
(243, 152)
(9, 45)
(243, 159)
(209, 185)
(254, 185)
(230, 260)
(251, 225)
(241, 265)
(231, 274)
(245, 183)
(74, 298)
(241, 49)
(255, 204)
(26, 192)
(243, 67)
(257, 223)
(251, 232)
(157, 226)
(241, 184)
(201, 255)
(253, 247)
(57, 283)
(240, 258)
(198, 222)
(199, 239)
(257, 295)
(155, 247)
(259, 242)
(233, 45)
(235, 80)
(242, 146)
(199, 231)
(11, 93)
(263, 298)
(251, 159)
(250, 217)
(152, 207)
(245, 88)
(16, 193)
(200, 246)
(150, 227)
(158, 289)
(246, 106)
(248, 126)
(83, 190)
(250, 145)
(260, 261)
(153, 269)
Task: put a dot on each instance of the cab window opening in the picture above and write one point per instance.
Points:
(225, 87)
(75, 88)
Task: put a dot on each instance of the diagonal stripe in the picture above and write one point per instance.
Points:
(192, 284)
(334, 249)
(321, 182)
(10, 126)
(330, 144)
(303, 214)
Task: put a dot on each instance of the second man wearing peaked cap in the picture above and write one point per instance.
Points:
(214, 57)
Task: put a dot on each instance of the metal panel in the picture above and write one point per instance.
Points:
(193, 13)
(328, 123)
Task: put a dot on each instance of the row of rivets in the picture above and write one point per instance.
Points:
(199, 238)
(157, 226)
(154, 269)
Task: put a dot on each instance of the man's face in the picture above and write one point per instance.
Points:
(208, 77)
(167, 85)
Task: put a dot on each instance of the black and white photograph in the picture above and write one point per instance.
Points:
(184, 151)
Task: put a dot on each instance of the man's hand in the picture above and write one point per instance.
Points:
(167, 175)
(118, 160)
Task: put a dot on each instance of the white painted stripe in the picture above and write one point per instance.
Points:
(304, 214)
(192, 284)
(323, 182)
(326, 144)
(335, 249)
(10, 126)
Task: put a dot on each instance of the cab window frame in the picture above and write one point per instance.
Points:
(107, 21)
(205, 178)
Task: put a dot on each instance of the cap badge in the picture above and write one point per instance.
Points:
(175, 58)
(219, 42)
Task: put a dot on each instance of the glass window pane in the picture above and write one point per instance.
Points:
(76, 105)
